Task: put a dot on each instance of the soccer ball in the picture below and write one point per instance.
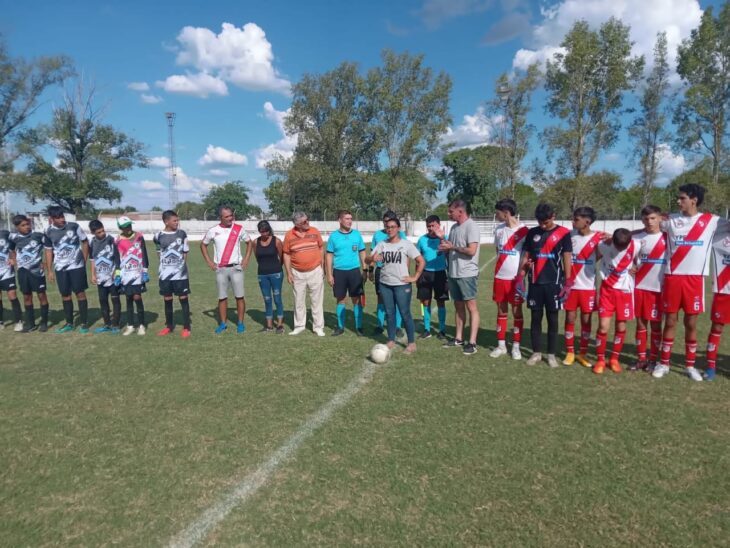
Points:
(379, 353)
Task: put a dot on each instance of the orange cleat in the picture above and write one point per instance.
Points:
(164, 332)
(569, 358)
(581, 359)
(185, 333)
(599, 367)
(614, 366)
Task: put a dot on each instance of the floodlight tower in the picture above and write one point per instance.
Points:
(171, 146)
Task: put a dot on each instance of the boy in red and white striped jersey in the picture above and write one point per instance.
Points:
(689, 240)
(720, 313)
(583, 296)
(649, 267)
(509, 237)
(616, 297)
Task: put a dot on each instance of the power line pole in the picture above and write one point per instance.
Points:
(171, 147)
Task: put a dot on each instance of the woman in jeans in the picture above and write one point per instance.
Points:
(395, 282)
(269, 250)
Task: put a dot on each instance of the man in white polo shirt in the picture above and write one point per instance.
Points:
(228, 264)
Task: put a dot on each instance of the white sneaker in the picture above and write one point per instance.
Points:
(497, 352)
(660, 370)
(296, 331)
(552, 362)
(319, 332)
(141, 330)
(516, 353)
(127, 331)
(693, 374)
(18, 327)
(534, 359)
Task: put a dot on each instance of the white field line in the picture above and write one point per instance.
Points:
(199, 529)
(485, 265)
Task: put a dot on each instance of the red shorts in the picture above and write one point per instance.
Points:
(647, 305)
(720, 308)
(614, 301)
(503, 291)
(585, 299)
(683, 292)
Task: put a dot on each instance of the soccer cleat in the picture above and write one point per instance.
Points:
(359, 332)
(650, 366)
(337, 332)
(128, 330)
(43, 327)
(693, 374)
(452, 343)
(599, 367)
(534, 359)
(615, 366)
(240, 327)
(378, 331)
(116, 331)
(569, 359)
(660, 370)
(441, 336)
(319, 332)
(142, 330)
(581, 359)
(221, 328)
(29, 328)
(552, 361)
(638, 365)
(185, 333)
(469, 349)
(84, 329)
(18, 327)
(102, 329)
(709, 374)
(425, 335)
(280, 330)
(164, 332)
(498, 352)
(516, 353)
(296, 331)
(65, 328)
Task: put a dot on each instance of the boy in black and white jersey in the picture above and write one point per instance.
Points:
(27, 255)
(7, 281)
(104, 267)
(172, 245)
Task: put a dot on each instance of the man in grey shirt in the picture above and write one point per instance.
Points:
(462, 247)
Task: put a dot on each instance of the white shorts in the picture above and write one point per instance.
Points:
(229, 276)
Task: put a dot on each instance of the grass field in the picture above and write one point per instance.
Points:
(129, 440)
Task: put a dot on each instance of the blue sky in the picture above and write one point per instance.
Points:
(229, 85)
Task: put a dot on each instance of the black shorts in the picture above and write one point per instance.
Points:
(30, 283)
(347, 282)
(175, 287)
(544, 296)
(106, 291)
(71, 281)
(7, 284)
(132, 289)
(433, 283)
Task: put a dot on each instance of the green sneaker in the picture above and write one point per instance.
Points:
(65, 329)
(83, 329)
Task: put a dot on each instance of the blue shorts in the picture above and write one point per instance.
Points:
(463, 289)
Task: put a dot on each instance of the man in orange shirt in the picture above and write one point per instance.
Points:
(303, 261)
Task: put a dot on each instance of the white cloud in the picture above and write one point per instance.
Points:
(159, 161)
(200, 85)
(475, 130)
(220, 156)
(240, 56)
(670, 164)
(151, 185)
(676, 17)
(138, 86)
(284, 146)
(150, 99)
(218, 172)
(526, 57)
(191, 187)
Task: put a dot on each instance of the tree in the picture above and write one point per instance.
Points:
(410, 108)
(233, 194)
(512, 105)
(156, 208)
(471, 174)
(90, 156)
(703, 63)
(648, 129)
(598, 191)
(585, 84)
(21, 85)
(191, 210)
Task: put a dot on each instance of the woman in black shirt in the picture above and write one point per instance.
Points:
(269, 252)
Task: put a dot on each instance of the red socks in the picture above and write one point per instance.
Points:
(618, 344)
(666, 351)
(501, 327)
(713, 344)
(601, 346)
(585, 337)
(690, 349)
(641, 343)
(517, 334)
(570, 337)
(656, 341)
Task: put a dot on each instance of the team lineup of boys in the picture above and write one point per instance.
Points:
(651, 275)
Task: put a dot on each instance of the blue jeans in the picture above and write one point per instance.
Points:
(270, 285)
(400, 296)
